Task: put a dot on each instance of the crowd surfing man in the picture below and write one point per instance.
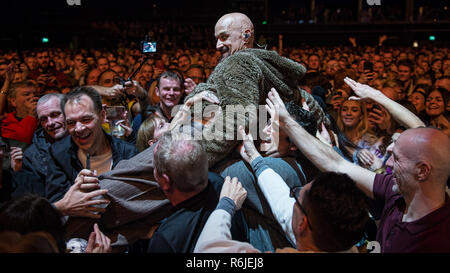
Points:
(259, 69)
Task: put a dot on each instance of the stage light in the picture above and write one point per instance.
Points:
(415, 44)
(264, 22)
(432, 38)
(44, 40)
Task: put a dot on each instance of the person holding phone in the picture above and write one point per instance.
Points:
(45, 75)
(367, 75)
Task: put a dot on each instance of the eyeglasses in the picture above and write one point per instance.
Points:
(295, 193)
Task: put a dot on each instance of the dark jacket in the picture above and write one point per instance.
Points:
(31, 178)
(179, 232)
(65, 166)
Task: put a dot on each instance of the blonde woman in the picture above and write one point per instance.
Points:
(352, 120)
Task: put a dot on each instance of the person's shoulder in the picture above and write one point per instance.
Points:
(62, 145)
(39, 138)
(9, 117)
(214, 177)
(121, 145)
(122, 142)
(383, 187)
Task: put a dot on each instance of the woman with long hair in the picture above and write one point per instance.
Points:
(352, 120)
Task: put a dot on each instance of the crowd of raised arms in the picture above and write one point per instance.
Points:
(355, 149)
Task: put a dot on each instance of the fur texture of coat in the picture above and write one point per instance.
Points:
(245, 78)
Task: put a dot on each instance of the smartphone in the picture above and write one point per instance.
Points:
(376, 106)
(148, 47)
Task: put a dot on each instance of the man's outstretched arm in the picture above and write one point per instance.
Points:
(322, 156)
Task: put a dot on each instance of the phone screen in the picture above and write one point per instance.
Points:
(149, 47)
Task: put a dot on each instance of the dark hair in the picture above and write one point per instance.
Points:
(337, 210)
(304, 118)
(42, 50)
(102, 57)
(315, 79)
(407, 63)
(30, 213)
(78, 92)
(196, 66)
(425, 88)
(444, 94)
(184, 55)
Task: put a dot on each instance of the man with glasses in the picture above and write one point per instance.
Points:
(413, 200)
(326, 215)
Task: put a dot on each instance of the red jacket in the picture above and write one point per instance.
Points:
(22, 130)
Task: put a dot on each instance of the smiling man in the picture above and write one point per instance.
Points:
(31, 177)
(169, 90)
(243, 77)
(84, 116)
(415, 206)
(234, 32)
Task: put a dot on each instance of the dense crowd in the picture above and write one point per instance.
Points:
(51, 103)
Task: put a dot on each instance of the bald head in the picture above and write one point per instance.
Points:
(428, 145)
(234, 31)
(238, 19)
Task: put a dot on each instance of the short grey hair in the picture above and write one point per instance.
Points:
(48, 97)
(183, 160)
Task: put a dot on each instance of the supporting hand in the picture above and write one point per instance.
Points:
(248, 150)
(16, 158)
(77, 202)
(98, 242)
(234, 190)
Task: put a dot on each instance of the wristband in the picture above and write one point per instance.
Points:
(227, 205)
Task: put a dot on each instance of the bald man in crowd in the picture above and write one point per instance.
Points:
(243, 78)
(415, 206)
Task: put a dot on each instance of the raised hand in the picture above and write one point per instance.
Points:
(363, 91)
(275, 106)
(115, 92)
(248, 150)
(234, 190)
(380, 117)
(98, 242)
(189, 86)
